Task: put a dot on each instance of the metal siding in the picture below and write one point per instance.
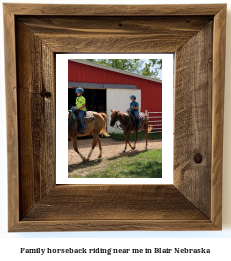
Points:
(151, 99)
(118, 99)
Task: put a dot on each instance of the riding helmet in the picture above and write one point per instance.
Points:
(133, 96)
(79, 90)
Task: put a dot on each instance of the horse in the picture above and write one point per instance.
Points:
(128, 126)
(96, 127)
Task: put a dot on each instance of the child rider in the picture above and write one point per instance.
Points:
(80, 106)
(134, 107)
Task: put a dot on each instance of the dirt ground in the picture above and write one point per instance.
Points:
(110, 149)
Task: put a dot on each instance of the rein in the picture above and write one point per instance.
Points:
(72, 114)
(127, 124)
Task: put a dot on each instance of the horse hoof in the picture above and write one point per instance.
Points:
(123, 151)
(133, 148)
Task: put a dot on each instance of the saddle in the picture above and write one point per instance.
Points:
(88, 118)
(142, 117)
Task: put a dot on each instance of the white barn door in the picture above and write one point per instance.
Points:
(118, 99)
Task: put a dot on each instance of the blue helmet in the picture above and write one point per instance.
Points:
(79, 90)
(133, 96)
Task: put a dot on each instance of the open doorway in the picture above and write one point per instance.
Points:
(95, 99)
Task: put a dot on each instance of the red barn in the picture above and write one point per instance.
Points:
(107, 88)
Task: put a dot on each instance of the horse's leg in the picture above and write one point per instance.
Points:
(146, 136)
(125, 134)
(127, 141)
(136, 133)
(74, 142)
(94, 142)
(100, 148)
(130, 144)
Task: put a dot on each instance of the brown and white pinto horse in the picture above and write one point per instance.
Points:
(128, 126)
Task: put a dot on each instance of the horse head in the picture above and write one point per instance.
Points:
(114, 117)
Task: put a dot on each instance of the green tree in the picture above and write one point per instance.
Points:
(156, 62)
(132, 65)
(148, 71)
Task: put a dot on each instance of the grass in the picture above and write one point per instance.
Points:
(141, 136)
(146, 164)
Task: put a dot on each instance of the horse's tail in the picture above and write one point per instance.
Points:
(103, 131)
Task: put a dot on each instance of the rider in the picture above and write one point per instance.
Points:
(80, 106)
(134, 107)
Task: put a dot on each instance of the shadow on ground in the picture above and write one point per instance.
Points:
(86, 164)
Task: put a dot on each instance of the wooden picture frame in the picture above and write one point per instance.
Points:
(33, 34)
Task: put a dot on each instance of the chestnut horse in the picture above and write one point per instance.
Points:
(127, 126)
(96, 127)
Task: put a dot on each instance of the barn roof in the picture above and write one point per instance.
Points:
(115, 70)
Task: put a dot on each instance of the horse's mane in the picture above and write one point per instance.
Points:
(123, 116)
(123, 113)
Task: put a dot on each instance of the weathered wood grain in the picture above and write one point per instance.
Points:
(193, 114)
(115, 34)
(195, 202)
(114, 225)
(12, 114)
(28, 80)
(114, 207)
(114, 10)
(113, 202)
(48, 145)
(218, 114)
(36, 117)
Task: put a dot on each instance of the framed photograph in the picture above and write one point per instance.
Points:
(34, 36)
(106, 89)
